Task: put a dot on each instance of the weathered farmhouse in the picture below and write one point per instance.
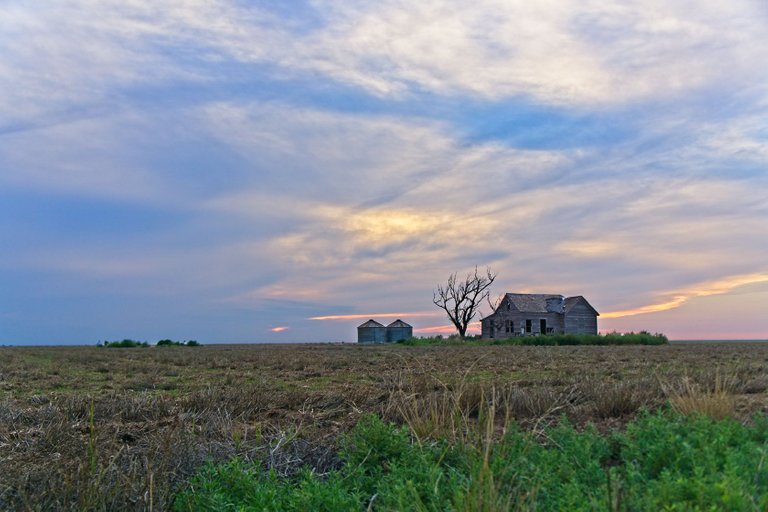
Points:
(374, 332)
(526, 314)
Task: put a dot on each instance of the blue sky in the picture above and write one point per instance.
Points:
(228, 171)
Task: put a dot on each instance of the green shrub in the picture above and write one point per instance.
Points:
(663, 461)
(244, 487)
(126, 343)
(171, 343)
(614, 338)
(695, 463)
(453, 339)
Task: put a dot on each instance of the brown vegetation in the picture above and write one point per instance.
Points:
(88, 428)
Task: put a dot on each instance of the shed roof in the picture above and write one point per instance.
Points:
(399, 323)
(369, 324)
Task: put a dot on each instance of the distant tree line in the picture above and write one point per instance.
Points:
(128, 343)
(171, 343)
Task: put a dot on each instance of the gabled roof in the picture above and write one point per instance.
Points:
(370, 323)
(536, 302)
(541, 303)
(570, 302)
(399, 323)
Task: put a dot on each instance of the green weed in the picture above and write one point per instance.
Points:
(663, 461)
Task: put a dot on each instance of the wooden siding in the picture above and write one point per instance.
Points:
(581, 319)
(501, 324)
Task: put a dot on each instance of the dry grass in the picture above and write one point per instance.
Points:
(714, 397)
(613, 399)
(83, 428)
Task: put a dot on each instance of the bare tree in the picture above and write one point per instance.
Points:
(461, 299)
(493, 304)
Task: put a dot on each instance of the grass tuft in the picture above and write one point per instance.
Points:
(714, 398)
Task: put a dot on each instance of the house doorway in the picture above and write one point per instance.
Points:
(543, 326)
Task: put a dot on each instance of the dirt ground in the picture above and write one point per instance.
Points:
(103, 428)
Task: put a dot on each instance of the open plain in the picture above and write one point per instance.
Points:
(97, 428)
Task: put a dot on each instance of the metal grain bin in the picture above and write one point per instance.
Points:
(399, 330)
(371, 332)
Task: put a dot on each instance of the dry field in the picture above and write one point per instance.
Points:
(105, 429)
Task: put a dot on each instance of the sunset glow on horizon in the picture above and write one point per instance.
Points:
(679, 298)
(235, 170)
(377, 315)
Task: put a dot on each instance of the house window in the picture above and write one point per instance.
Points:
(528, 326)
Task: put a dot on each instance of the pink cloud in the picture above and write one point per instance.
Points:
(376, 315)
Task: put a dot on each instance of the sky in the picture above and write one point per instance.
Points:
(248, 171)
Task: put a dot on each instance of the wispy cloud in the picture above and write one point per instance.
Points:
(357, 316)
(472, 328)
(65, 55)
(677, 298)
(559, 52)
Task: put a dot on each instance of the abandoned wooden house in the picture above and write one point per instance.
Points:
(529, 314)
(374, 332)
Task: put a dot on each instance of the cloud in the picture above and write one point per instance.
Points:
(675, 299)
(71, 59)
(383, 202)
(560, 52)
(393, 196)
(744, 138)
(411, 314)
(62, 56)
(100, 156)
(324, 207)
(472, 328)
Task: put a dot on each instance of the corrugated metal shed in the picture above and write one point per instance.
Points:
(399, 330)
(371, 332)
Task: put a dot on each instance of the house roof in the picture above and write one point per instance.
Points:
(536, 302)
(570, 302)
(369, 324)
(398, 323)
(542, 303)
